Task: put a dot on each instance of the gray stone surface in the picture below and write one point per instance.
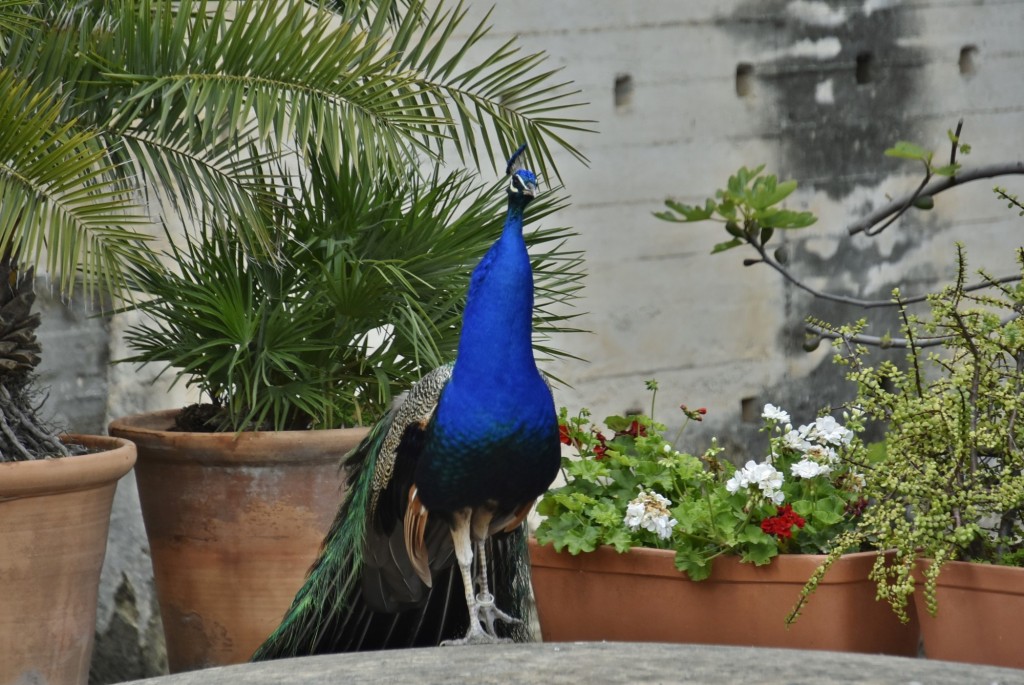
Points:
(553, 663)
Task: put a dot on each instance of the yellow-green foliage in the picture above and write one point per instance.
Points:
(950, 484)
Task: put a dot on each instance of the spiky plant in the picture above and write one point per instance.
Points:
(113, 111)
(22, 433)
(365, 290)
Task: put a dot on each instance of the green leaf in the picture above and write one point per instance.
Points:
(767, 191)
(784, 218)
(583, 539)
(695, 565)
(905, 150)
(689, 213)
(620, 539)
(618, 423)
(547, 506)
(728, 245)
(588, 469)
(759, 553)
(571, 501)
(947, 170)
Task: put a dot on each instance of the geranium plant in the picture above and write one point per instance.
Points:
(627, 486)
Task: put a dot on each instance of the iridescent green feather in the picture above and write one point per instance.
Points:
(335, 574)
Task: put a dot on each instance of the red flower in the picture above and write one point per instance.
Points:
(781, 525)
(563, 434)
(600, 448)
(635, 429)
(694, 414)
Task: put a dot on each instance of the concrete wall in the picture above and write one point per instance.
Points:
(712, 332)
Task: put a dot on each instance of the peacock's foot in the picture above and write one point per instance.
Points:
(481, 624)
(490, 613)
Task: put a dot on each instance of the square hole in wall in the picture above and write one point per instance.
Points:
(750, 410)
(623, 90)
(744, 79)
(968, 60)
(864, 68)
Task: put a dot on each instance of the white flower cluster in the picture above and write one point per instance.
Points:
(773, 413)
(816, 441)
(764, 476)
(650, 512)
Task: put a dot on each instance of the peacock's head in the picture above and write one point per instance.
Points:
(522, 186)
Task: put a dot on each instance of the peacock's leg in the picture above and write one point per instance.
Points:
(461, 536)
(484, 598)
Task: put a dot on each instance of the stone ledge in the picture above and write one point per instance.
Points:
(596, 662)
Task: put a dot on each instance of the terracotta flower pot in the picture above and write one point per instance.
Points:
(234, 522)
(979, 615)
(54, 516)
(640, 596)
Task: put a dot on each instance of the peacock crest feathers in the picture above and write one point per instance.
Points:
(522, 182)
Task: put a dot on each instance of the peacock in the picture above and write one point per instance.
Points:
(430, 540)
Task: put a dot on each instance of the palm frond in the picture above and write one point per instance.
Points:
(495, 102)
(65, 202)
(16, 18)
(314, 80)
(386, 87)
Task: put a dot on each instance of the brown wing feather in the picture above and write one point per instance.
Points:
(416, 517)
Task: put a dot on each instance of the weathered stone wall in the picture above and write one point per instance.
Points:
(683, 93)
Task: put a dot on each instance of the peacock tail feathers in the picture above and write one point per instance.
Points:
(333, 577)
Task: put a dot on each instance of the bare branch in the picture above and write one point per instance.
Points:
(859, 302)
(938, 186)
(873, 231)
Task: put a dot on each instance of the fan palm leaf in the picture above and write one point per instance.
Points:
(61, 193)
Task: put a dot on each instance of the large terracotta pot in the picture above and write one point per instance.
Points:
(234, 522)
(979, 617)
(54, 516)
(640, 596)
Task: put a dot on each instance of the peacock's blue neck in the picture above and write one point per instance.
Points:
(494, 433)
(496, 340)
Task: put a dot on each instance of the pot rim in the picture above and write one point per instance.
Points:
(69, 474)
(785, 568)
(150, 432)
(979, 576)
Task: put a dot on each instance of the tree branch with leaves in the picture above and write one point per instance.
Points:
(750, 209)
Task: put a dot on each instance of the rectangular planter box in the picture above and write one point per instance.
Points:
(640, 596)
(980, 616)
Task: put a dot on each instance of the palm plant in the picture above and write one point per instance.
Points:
(364, 291)
(114, 111)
